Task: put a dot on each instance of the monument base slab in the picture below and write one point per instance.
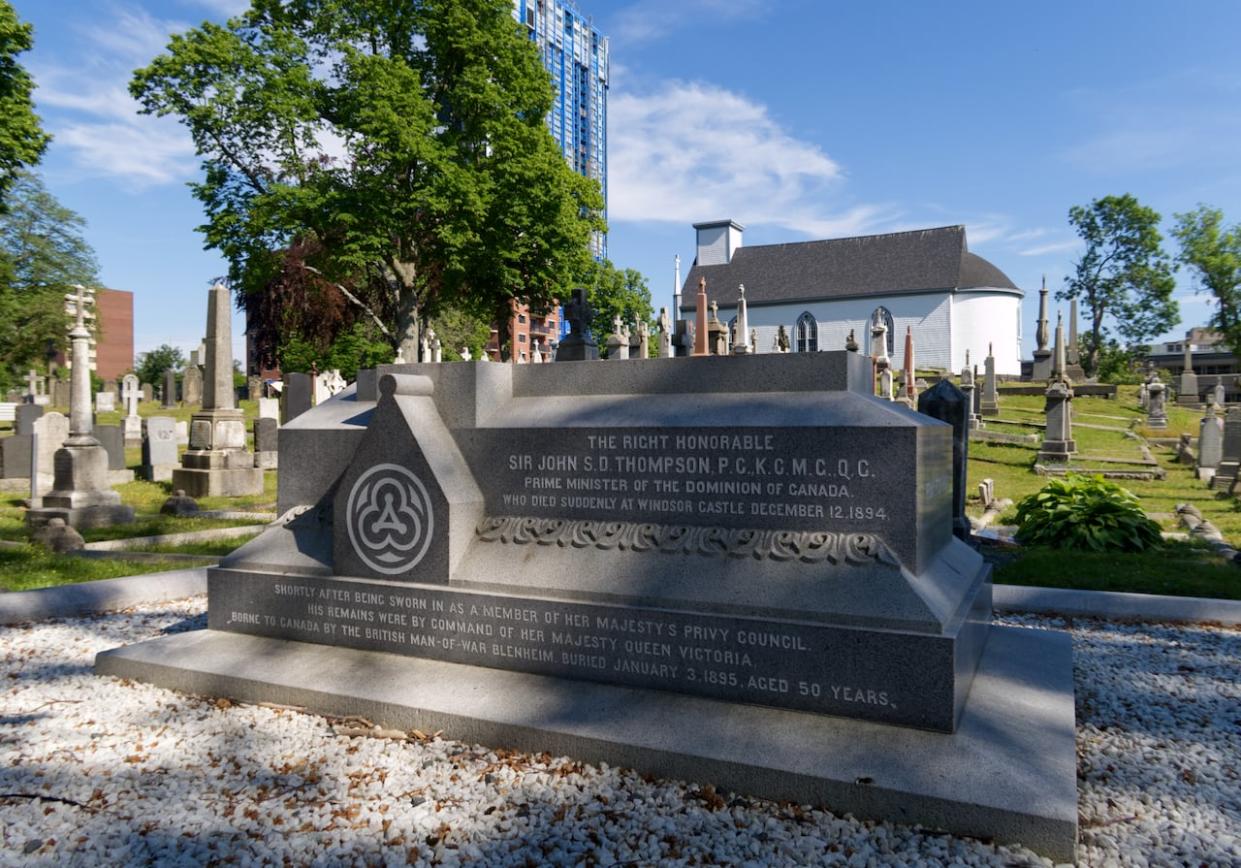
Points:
(81, 517)
(1008, 773)
(213, 482)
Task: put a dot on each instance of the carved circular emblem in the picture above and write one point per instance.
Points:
(389, 519)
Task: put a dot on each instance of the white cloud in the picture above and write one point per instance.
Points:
(690, 151)
(650, 20)
(90, 113)
(226, 8)
(1052, 247)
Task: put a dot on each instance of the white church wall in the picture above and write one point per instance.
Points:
(987, 316)
(928, 313)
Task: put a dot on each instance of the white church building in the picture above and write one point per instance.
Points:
(820, 290)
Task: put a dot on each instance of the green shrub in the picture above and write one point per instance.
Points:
(1085, 512)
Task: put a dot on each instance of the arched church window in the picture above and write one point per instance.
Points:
(807, 333)
(883, 315)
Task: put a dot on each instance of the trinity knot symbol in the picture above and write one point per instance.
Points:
(389, 519)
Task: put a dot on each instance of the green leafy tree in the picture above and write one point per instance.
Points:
(22, 139)
(353, 349)
(1124, 278)
(617, 292)
(401, 145)
(152, 364)
(1212, 251)
(457, 328)
(42, 256)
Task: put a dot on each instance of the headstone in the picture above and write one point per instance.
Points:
(1220, 395)
(254, 387)
(742, 344)
(1058, 444)
(664, 337)
(989, 405)
(968, 388)
(60, 393)
(192, 386)
(105, 402)
(112, 439)
(168, 399)
(683, 339)
(131, 394)
(717, 332)
(578, 344)
(1187, 391)
(269, 408)
(15, 455)
(1229, 467)
(910, 373)
(266, 450)
(159, 448)
(1144, 397)
(430, 503)
(24, 418)
(32, 385)
(643, 345)
(618, 341)
(217, 461)
(148, 392)
(883, 365)
(947, 403)
(111, 386)
(297, 396)
(1157, 415)
(183, 433)
(702, 344)
(51, 434)
(465, 354)
(329, 384)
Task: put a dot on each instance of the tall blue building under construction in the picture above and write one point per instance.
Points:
(575, 53)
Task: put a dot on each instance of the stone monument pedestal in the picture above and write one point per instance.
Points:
(1042, 365)
(81, 495)
(217, 462)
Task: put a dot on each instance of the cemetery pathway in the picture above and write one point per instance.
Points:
(101, 771)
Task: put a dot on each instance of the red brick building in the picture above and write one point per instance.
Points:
(526, 332)
(110, 314)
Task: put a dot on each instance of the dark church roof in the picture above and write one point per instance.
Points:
(868, 265)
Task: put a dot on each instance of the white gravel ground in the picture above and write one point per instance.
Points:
(130, 774)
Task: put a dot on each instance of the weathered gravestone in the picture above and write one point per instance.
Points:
(269, 408)
(148, 393)
(105, 402)
(254, 388)
(1229, 468)
(15, 455)
(297, 397)
(266, 434)
(192, 386)
(627, 542)
(1210, 442)
(24, 417)
(131, 394)
(51, 430)
(112, 439)
(168, 397)
(60, 392)
(159, 448)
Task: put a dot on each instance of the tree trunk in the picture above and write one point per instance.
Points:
(408, 327)
(1091, 359)
(504, 316)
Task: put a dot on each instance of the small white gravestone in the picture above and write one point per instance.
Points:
(131, 394)
(183, 433)
(465, 354)
(105, 402)
(269, 408)
(327, 384)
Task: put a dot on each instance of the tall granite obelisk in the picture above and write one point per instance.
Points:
(1042, 355)
(217, 462)
(80, 492)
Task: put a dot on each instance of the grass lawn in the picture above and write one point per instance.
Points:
(33, 567)
(1180, 569)
(1011, 466)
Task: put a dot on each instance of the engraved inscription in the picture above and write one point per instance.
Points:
(791, 664)
(780, 545)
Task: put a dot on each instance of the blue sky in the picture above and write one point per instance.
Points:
(799, 118)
